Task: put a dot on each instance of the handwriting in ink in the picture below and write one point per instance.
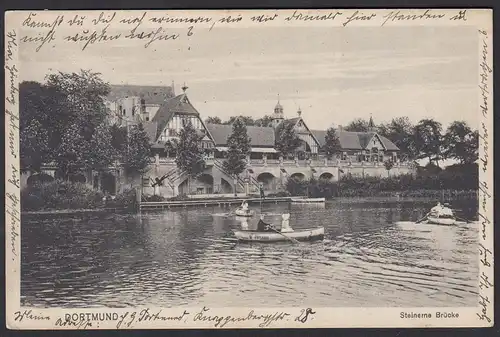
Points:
(483, 302)
(77, 20)
(460, 16)
(11, 43)
(91, 37)
(104, 18)
(227, 19)
(296, 16)
(485, 72)
(169, 19)
(12, 210)
(263, 18)
(13, 89)
(484, 282)
(137, 21)
(483, 251)
(220, 321)
(44, 37)
(82, 324)
(158, 35)
(397, 16)
(304, 315)
(29, 315)
(356, 16)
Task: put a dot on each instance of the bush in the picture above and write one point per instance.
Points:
(180, 197)
(126, 200)
(280, 194)
(60, 195)
(425, 183)
(153, 198)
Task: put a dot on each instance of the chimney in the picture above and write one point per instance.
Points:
(173, 88)
(299, 112)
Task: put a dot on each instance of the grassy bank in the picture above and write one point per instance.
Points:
(58, 195)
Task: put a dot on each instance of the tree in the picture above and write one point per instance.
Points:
(239, 147)
(388, 164)
(39, 116)
(461, 143)
(76, 119)
(213, 120)
(287, 140)
(332, 143)
(357, 125)
(138, 150)
(189, 152)
(264, 121)
(402, 133)
(247, 120)
(171, 147)
(428, 140)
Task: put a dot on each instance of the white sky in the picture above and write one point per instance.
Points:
(333, 74)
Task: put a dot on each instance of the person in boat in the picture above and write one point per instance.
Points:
(285, 223)
(244, 206)
(446, 212)
(436, 210)
(263, 226)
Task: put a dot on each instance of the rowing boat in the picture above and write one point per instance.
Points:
(241, 212)
(442, 221)
(307, 200)
(300, 235)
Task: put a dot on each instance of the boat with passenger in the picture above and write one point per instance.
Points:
(267, 232)
(243, 210)
(441, 215)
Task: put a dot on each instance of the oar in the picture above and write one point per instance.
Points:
(459, 218)
(425, 217)
(289, 238)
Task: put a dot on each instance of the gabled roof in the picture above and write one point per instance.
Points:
(177, 105)
(151, 94)
(260, 136)
(150, 128)
(296, 120)
(355, 140)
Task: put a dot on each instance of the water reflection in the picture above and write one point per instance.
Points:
(188, 257)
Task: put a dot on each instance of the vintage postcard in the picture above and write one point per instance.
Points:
(249, 169)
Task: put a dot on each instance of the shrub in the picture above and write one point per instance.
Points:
(180, 197)
(153, 198)
(60, 195)
(127, 199)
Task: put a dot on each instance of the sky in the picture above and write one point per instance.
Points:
(333, 74)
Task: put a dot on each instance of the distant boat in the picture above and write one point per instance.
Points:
(307, 200)
(300, 235)
(446, 221)
(240, 212)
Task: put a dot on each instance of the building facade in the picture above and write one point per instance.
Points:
(163, 115)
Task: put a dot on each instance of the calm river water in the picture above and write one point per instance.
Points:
(189, 257)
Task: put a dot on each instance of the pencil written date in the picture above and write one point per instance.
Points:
(150, 28)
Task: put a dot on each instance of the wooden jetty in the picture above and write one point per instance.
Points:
(210, 202)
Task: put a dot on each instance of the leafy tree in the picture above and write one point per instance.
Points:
(461, 143)
(428, 140)
(287, 140)
(388, 164)
(401, 132)
(118, 138)
(138, 152)
(357, 125)
(332, 143)
(239, 147)
(39, 116)
(189, 152)
(247, 120)
(213, 120)
(171, 147)
(264, 121)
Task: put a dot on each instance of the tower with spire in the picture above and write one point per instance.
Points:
(278, 115)
(371, 125)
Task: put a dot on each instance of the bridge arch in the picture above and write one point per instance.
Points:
(268, 180)
(298, 176)
(39, 178)
(326, 176)
(203, 184)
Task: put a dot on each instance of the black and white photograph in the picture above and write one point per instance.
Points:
(289, 164)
